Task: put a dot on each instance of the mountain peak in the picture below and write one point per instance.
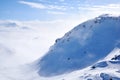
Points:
(108, 16)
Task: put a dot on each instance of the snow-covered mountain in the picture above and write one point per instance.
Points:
(90, 51)
(83, 46)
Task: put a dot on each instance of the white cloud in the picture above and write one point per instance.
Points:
(62, 0)
(33, 5)
(55, 12)
(100, 9)
(57, 7)
(8, 24)
(42, 6)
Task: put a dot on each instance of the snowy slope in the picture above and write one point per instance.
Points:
(106, 69)
(82, 46)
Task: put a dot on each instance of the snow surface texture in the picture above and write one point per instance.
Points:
(82, 46)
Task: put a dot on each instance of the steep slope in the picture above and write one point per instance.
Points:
(82, 46)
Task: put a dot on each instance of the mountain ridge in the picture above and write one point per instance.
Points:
(82, 46)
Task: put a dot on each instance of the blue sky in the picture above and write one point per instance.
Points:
(55, 9)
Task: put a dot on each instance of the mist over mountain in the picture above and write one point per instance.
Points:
(90, 51)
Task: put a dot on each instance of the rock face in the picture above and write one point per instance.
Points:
(82, 46)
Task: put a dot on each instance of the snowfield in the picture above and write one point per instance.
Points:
(90, 51)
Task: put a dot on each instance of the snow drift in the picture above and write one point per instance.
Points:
(82, 46)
